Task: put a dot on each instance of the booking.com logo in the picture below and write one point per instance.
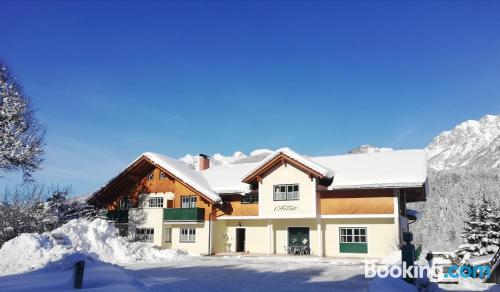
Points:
(468, 272)
(415, 271)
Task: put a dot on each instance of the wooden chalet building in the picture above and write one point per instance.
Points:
(338, 206)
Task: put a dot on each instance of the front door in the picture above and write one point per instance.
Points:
(240, 239)
(298, 236)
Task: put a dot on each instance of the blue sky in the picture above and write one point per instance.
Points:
(112, 79)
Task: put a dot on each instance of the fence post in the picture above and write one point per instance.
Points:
(78, 274)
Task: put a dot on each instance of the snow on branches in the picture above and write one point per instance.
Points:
(481, 231)
(21, 135)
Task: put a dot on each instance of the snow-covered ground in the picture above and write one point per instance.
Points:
(202, 274)
(44, 262)
(253, 274)
(292, 273)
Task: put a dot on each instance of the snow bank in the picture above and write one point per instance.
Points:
(98, 276)
(480, 260)
(394, 258)
(96, 239)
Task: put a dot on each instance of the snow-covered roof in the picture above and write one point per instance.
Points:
(227, 178)
(293, 155)
(189, 176)
(401, 168)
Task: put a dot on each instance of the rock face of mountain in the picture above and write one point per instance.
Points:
(472, 144)
(368, 149)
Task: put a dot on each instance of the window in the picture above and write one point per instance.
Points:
(144, 234)
(286, 192)
(155, 202)
(188, 202)
(168, 234)
(353, 240)
(125, 203)
(250, 199)
(123, 230)
(188, 235)
(163, 175)
(349, 235)
(151, 176)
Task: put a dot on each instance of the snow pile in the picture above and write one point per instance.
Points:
(96, 239)
(394, 258)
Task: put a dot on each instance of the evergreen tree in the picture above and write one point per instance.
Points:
(481, 232)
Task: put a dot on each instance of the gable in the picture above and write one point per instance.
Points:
(140, 168)
(277, 161)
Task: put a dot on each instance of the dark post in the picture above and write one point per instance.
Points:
(78, 274)
(408, 253)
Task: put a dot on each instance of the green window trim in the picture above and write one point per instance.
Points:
(353, 247)
(353, 240)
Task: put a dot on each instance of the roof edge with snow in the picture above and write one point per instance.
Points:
(293, 156)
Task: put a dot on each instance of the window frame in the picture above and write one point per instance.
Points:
(145, 234)
(163, 175)
(151, 176)
(191, 201)
(189, 236)
(284, 189)
(353, 240)
(156, 202)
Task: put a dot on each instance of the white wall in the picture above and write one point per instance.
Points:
(381, 236)
(256, 235)
(147, 218)
(200, 246)
(287, 174)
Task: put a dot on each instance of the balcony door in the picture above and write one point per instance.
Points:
(188, 202)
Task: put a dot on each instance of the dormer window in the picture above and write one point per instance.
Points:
(163, 175)
(151, 176)
(286, 192)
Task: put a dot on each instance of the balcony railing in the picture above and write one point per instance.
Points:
(118, 216)
(184, 214)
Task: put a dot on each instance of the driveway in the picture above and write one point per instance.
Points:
(233, 273)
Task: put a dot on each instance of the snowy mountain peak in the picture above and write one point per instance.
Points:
(471, 143)
(368, 149)
(219, 159)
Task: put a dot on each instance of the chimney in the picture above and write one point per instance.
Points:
(203, 162)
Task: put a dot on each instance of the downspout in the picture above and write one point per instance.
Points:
(209, 235)
(210, 231)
